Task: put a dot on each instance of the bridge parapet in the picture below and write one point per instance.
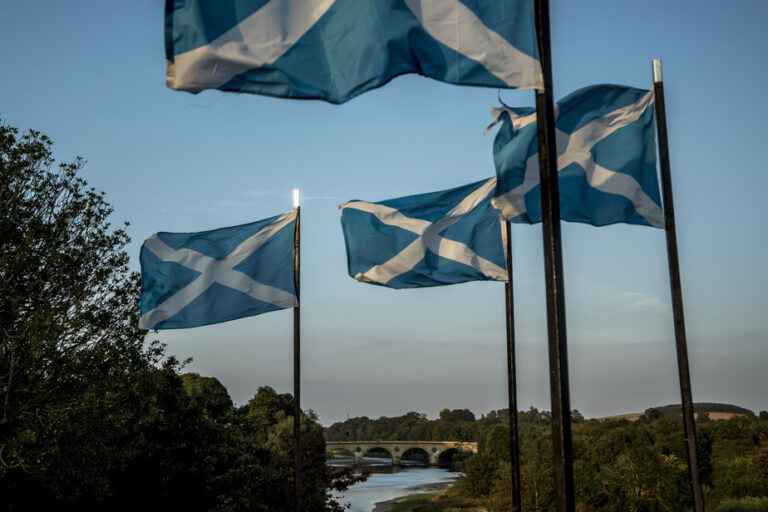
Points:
(397, 448)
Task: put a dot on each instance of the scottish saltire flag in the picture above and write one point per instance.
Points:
(194, 279)
(434, 239)
(334, 50)
(606, 159)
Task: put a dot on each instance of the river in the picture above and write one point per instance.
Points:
(388, 482)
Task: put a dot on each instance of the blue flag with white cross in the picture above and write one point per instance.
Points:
(334, 50)
(195, 279)
(606, 159)
(440, 238)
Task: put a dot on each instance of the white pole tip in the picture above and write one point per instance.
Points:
(296, 198)
(657, 71)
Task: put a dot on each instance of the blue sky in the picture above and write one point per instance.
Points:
(91, 74)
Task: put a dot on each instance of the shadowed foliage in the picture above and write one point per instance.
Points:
(94, 417)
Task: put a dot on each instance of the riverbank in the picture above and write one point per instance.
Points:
(406, 503)
(430, 502)
(430, 498)
(426, 493)
(385, 486)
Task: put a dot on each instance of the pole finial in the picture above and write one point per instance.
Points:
(296, 198)
(658, 75)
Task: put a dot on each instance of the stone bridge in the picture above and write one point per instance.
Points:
(436, 451)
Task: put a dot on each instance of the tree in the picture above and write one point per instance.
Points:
(762, 464)
(536, 472)
(501, 495)
(208, 393)
(69, 333)
(272, 414)
(479, 474)
(496, 443)
(652, 414)
(93, 418)
(457, 415)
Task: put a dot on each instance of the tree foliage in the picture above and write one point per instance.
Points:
(93, 417)
(620, 465)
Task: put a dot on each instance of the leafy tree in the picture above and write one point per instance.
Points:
(479, 474)
(93, 418)
(272, 413)
(68, 328)
(652, 414)
(762, 464)
(457, 415)
(496, 443)
(500, 499)
(208, 393)
(536, 473)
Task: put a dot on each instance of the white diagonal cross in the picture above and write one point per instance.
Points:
(258, 40)
(430, 238)
(270, 32)
(576, 148)
(220, 271)
(456, 26)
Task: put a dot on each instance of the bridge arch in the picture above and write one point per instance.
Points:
(340, 452)
(380, 452)
(416, 455)
(439, 452)
(445, 457)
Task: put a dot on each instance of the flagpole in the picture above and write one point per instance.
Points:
(562, 444)
(514, 434)
(297, 484)
(681, 342)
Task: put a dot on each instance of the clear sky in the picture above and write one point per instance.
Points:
(91, 74)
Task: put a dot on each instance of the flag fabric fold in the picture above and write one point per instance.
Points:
(440, 238)
(195, 279)
(606, 159)
(334, 50)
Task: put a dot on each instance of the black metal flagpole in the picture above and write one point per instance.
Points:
(553, 268)
(297, 484)
(514, 434)
(681, 342)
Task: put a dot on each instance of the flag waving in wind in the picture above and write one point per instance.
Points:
(606, 159)
(194, 279)
(334, 50)
(434, 239)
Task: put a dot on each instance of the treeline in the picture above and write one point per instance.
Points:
(92, 417)
(451, 425)
(463, 425)
(626, 466)
(620, 465)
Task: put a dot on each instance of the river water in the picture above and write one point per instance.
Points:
(388, 483)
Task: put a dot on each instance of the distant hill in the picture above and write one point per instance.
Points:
(715, 411)
(707, 407)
